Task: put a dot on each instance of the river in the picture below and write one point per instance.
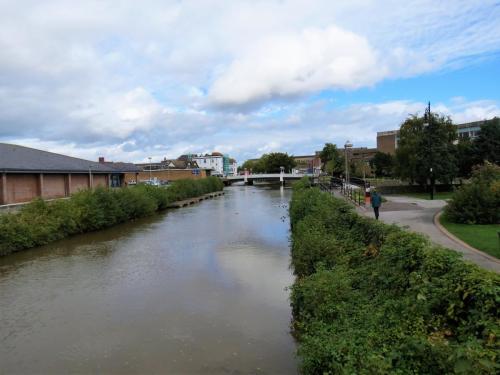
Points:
(195, 290)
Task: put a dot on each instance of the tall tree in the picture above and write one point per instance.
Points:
(487, 144)
(274, 161)
(331, 159)
(466, 157)
(410, 134)
(382, 164)
(427, 152)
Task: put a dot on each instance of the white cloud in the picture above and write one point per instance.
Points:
(122, 114)
(129, 80)
(284, 65)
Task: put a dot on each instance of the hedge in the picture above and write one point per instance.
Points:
(479, 201)
(370, 298)
(40, 222)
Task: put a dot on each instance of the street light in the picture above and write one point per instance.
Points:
(427, 125)
(149, 169)
(347, 145)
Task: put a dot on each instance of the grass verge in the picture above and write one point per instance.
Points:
(483, 237)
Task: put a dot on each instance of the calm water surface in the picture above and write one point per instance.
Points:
(196, 290)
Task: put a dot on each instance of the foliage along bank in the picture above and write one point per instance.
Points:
(370, 298)
(39, 222)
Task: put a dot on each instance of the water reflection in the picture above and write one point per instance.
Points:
(197, 290)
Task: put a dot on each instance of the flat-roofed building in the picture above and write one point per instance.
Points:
(27, 173)
(387, 141)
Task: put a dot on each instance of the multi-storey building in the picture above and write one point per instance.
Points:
(387, 141)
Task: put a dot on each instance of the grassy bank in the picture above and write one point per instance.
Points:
(370, 298)
(483, 237)
(39, 222)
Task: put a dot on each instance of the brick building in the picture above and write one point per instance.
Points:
(308, 163)
(387, 141)
(27, 173)
(167, 170)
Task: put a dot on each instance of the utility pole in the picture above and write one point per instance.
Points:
(428, 125)
(347, 145)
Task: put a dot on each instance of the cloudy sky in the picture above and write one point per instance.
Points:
(133, 79)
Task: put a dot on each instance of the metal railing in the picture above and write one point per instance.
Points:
(355, 195)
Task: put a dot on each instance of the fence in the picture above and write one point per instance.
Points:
(354, 194)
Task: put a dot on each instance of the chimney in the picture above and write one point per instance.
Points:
(101, 159)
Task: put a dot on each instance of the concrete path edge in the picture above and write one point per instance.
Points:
(459, 241)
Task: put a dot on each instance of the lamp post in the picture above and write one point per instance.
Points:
(149, 169)
(347, 145)
(428, 126)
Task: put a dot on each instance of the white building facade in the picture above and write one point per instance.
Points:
(220, 165)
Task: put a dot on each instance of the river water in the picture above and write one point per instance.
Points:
(195, 290)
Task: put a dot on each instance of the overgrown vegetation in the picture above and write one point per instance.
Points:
(370, 298)
(479, 201)
(39, 222)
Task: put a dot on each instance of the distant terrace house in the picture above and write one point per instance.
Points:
(387, 141)
(28, 173)
(167, 170)
(218, 163)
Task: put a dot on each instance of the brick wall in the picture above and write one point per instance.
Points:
(166, 175)
(386, 143)
(21, 187)
(79, 182)
(100, 180)
(54, 186)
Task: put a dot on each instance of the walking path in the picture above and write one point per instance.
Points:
(418, 216)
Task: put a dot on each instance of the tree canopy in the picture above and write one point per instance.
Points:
(270, 163)
(382, 164)
(427, 151)
(487, 143)
(331, 159)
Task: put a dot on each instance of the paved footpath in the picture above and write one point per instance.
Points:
(418, 216)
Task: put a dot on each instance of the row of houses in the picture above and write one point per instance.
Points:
(27, 173)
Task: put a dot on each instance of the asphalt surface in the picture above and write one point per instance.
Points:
(418, 215)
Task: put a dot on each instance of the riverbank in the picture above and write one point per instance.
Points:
(372, 297)
(40, 222)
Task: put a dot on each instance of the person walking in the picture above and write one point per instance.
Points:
(376, 202)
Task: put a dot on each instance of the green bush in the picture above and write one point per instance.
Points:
(479, 201)
(39, 222)
(370, 298)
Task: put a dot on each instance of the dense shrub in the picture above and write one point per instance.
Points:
(479, 201)
(370, 298)
(39, 222)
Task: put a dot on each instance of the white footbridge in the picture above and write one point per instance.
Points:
(281, 177)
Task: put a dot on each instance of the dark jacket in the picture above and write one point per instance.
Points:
(376, 199)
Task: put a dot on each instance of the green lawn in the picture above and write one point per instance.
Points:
(438, 195)
(481, 237)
